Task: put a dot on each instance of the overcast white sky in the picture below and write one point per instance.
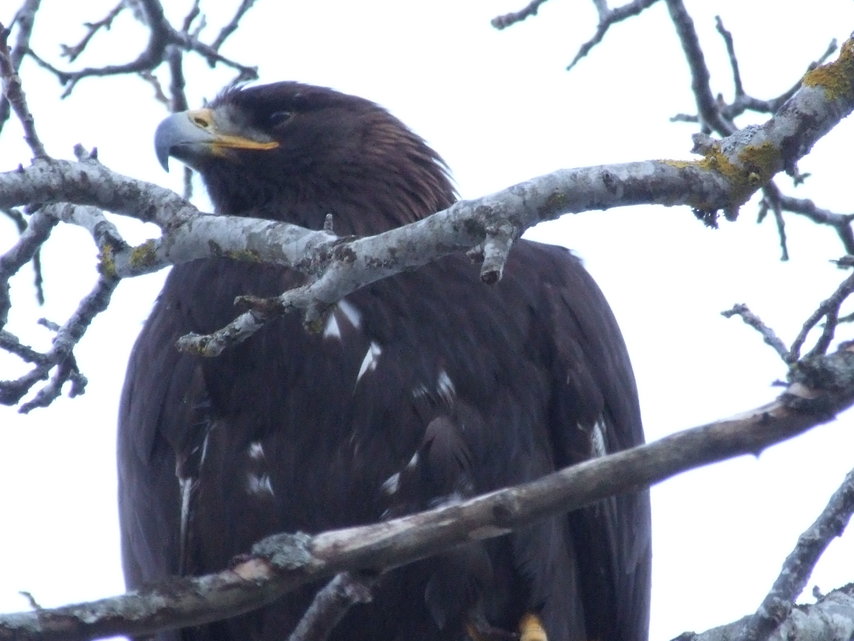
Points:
(500, 108)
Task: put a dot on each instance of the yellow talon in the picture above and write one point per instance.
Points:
(531, 629)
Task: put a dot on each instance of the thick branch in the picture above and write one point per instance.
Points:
(283, 562)
(831, 619)
(731, 170)
(777, 606)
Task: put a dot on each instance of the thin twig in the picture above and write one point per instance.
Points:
(829, 310)
(607, 18)
(331, 603)
(23, 21)
(73, 51)
(24, 251)
(162, 36)
(707, 105)
(508, 19)
(13, 91)
(232, 25)
(771, 202)
(768, 335)
(733, 60)
(59, 358)
(841, 223)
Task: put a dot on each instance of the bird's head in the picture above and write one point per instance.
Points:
(295, 152)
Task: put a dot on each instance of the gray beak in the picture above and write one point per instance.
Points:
(193, 135)
(184, 135)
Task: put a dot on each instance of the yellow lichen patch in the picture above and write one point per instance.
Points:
(681, 164)
(760, 163)
(755, 166)
(106, 261)
(247, 255)
(144, 255)
(837, 77)
(556, 202)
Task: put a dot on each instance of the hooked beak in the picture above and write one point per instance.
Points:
(191, 135)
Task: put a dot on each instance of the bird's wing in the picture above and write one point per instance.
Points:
(595, 412)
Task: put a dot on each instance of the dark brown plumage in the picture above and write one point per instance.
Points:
(422, 388)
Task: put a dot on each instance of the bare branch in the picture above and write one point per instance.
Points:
(841, 223)
(771, 202)
(732, 169)
(607, 18)
(733, 60)
(830, 619)
(508, 19)
(708, 108)
(756, 323)
(14, 94)
(829, 311)
(25, 250)
(283, 562)
(330, 604)
(231, 27)
(744, 102)
(71, 52)
(162, 37)
(798, 566)
(23, 20)
(59, 358)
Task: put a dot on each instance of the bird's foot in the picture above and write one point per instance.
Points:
(531, 628)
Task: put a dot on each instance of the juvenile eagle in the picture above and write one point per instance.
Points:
(424, 388)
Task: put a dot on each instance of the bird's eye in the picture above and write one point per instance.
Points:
(278, 118)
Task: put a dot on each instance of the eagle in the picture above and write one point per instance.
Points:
(415, 391)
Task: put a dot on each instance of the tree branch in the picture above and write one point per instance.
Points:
(707, 106)
(777, 606)
(162, 35)
(14, 94)
(607, 18)
(24, 20)
(504, 21)
(330, 604)
(830, 619)
(731, 170)
(756, 323)
(283, 562)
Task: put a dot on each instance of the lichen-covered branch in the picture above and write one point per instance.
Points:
(283, 562)
(729, 172)
(713, 112)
